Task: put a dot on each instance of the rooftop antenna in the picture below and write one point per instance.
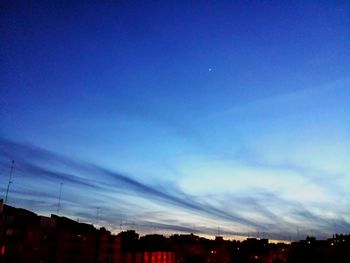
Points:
(10, 182)
(59, 199)
(121, 223)
(97, 215)
(298, 234)
(154, 228)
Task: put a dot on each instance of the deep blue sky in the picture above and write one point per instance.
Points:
(184, 116)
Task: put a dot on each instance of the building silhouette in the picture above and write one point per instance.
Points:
(31, 238)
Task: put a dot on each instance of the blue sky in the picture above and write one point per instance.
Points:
(180, 116)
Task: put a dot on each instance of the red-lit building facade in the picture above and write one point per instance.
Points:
(27, 237)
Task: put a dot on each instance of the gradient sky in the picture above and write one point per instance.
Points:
(180, 117)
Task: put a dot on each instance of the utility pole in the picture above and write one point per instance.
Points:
(59, 199)
(10, 182)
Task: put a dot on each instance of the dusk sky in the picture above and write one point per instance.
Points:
(179, 117)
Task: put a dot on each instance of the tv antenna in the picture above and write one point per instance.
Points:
(59, 199)
(98, 215)
(10, 180)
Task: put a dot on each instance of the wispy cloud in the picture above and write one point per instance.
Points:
(88, 186)
(106, 180)
(279, 103)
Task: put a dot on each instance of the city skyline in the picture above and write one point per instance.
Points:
(179, 116)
